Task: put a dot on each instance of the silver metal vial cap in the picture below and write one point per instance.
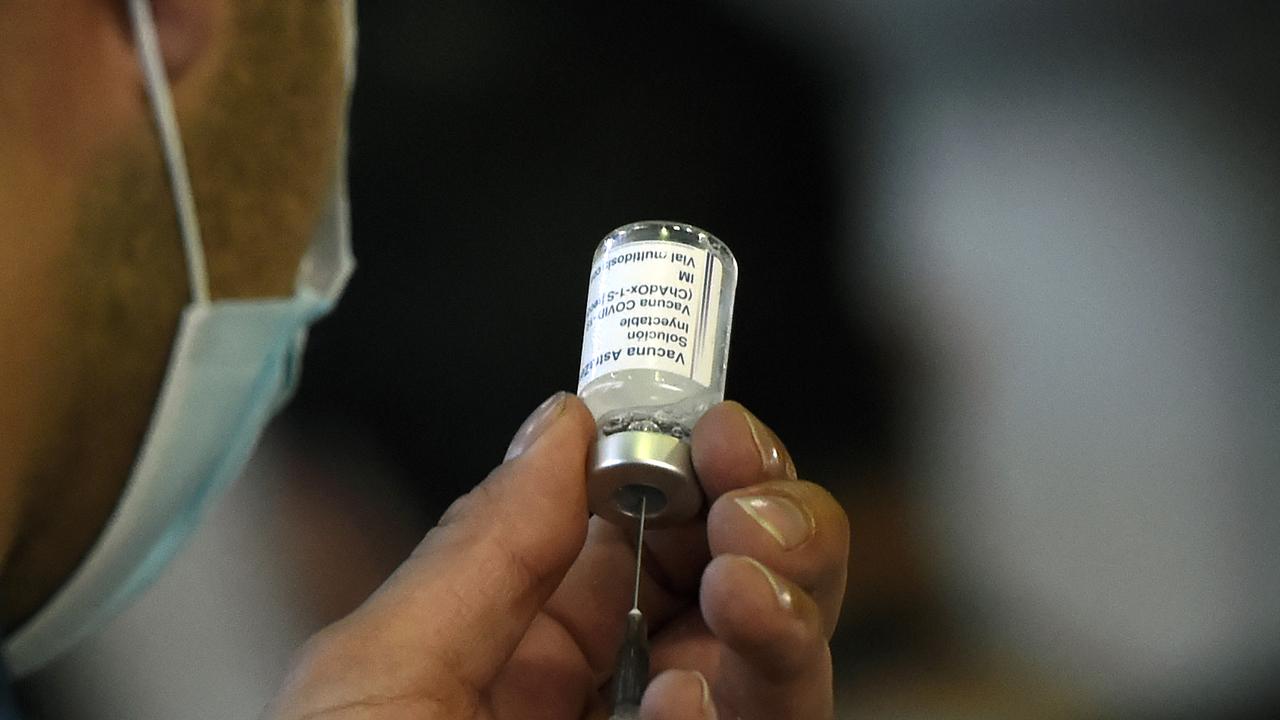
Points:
(629, 468)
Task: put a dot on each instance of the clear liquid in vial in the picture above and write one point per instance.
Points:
(647, 401)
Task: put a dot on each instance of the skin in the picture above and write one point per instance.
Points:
(91, 265)
(511, 607)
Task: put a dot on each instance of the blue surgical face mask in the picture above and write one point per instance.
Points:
(233, 364)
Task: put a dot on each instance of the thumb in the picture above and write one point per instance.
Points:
(457, 608)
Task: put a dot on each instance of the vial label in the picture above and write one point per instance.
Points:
(652, 305)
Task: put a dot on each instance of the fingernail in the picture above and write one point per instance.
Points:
(708, 708)
(780, 590)
(774, 458)
(537, 423)
(788, 523)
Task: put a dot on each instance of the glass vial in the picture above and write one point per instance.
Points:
(654, 351)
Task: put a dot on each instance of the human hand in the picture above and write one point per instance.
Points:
(512, 607)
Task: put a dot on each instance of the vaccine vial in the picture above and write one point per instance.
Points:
(654, 351)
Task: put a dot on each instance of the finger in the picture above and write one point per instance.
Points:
(596, 594)
(775, 662)
(795, 528)
(686, 644)
(731, 449)
(544, 678)
(678, 695)
(763, 661)
(458, 607)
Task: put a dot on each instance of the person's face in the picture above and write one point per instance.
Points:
(91, 264)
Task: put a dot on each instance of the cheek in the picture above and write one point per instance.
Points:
(71, 84)
(62, 102)
(36, 369)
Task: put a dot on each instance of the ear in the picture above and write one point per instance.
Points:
(186, 28)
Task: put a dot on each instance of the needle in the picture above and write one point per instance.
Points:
(644, 503)
(632, 675)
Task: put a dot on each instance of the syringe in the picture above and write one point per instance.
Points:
(632, 673)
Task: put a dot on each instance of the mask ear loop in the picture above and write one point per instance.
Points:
(175, 159)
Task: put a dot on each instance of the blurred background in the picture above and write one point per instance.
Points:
(1010, 288)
